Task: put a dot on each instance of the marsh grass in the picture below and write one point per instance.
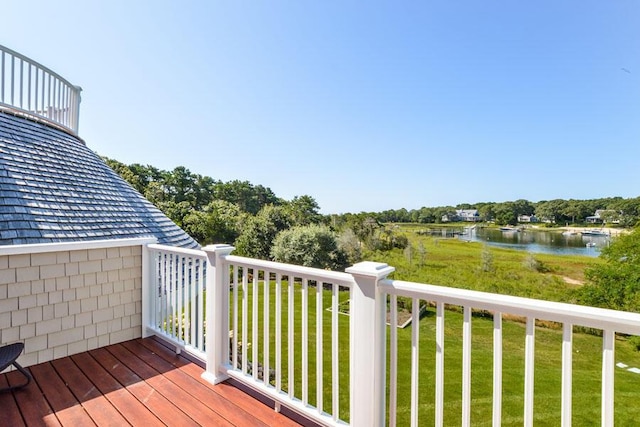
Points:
(461, 264)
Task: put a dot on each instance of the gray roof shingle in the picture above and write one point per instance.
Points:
(54, 189)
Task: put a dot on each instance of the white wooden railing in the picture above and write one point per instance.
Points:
(609, 321)
(174, 302)
(29, 88)
(278, 328)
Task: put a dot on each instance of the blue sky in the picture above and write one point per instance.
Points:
(365, 106)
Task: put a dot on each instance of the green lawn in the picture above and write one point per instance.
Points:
(586, 374)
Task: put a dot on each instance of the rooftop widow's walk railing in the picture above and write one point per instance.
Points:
(282, 330)
(31, 89)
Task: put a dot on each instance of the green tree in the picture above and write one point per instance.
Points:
(616, 282)
(309, 245)
(551, 210)
(175, 211)
(258, 232)
(505, 213)
(349, 244)
(304, 210)
(248, 197)
(218, 222)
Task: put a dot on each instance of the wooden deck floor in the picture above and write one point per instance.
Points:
(139, 383)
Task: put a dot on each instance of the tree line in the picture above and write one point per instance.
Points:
(251, 216)
(625, 212)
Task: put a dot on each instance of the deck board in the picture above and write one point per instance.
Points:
(39, 412)
(227, 392)
(196, 389)
(183, 401)
(66, 407)
(139, 382)
(132, 410)
(10, 413)
(97, 406)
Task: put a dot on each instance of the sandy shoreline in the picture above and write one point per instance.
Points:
(609, 230)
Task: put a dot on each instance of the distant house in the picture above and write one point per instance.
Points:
(449, 217)
(528, 218)
(466, 215)
(603, 215)
(469, 215)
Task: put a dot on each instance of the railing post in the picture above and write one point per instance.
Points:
(217, 311)
(368, 344)
(148, 291)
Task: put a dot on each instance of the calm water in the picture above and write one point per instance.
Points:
(550, 242)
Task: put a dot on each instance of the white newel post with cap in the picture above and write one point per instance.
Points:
(217, 310)
(368, 340)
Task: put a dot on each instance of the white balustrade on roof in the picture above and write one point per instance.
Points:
(33, 90)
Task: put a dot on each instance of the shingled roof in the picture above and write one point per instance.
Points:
(55, 189)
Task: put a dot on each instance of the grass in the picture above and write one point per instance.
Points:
(459, 264)
(586, 374)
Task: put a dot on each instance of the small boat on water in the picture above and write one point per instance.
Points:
(591, 245)
(595, 232)
(510, 229)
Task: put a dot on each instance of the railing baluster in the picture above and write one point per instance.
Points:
(567, 373)
(291, 343)
(13, 84)
(29, 86)
(192, 303)
(2, 74)
(608, 349)
(43, 106)
(58, 99)
(529, 366)
(497, 369)
(335, 373)
(393, 360)
(21, 82)
(35, 90)
(201, 306)
(319, 349)
(49, 97)
(234, 348)
(466, 367)
(305, 342)
(165, 295)
(245, 318)
(278, 332)
(180, 299)
(254, 325)
(152, 288)
(439, 404)
(266, 353)
(415, 360)
(174, 295)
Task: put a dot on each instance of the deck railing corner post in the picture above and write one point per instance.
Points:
(368, 337)
(217, 312)
(148, 291)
